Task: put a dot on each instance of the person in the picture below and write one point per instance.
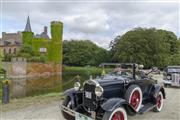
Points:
(118, 70)
(5, 98)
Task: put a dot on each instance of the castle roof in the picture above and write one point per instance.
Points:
(28, 25)
(42, 35)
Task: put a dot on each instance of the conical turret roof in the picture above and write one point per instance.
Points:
(28, 25)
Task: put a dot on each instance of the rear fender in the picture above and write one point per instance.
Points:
(156, 89)
(113, 103)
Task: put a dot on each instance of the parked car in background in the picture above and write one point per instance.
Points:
(172, 76)
(125, 90)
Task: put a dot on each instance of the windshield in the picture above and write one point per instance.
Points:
(119, 71)
(173, 70)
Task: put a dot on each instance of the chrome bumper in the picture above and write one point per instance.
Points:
(171, 83)
(72, 112)
(67, 110)
(167, 81)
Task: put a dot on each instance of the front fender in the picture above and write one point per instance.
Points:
(113, 103)
(70, 93)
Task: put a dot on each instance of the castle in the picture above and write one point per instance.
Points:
(10, 43)
(42, 44)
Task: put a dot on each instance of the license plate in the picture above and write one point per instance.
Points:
(88, 95)
(79, 116)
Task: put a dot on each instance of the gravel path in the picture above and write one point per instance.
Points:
(33, 108)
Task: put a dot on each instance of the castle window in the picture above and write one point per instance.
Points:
(42, 50)
(14, 50)
(9, 50)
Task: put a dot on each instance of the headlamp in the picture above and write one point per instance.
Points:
(77, 85)
(99, 91)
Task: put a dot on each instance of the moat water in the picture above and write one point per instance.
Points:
(43, 85)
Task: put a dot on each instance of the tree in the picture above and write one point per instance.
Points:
(150, 47)
(83, 52)
(175, 58)
(26, 51)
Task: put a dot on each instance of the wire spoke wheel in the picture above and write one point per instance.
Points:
(159, 102)
(135, 99)
(118, 116)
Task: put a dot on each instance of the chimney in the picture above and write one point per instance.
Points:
(45, 29)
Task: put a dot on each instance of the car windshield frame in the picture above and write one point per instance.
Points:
(130, 66)
(173, 70)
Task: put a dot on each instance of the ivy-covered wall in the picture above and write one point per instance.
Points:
(38, 43)
(27, 37)
(55, 53)
(53, 46)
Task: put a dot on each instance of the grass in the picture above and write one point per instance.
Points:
(81, 70)
(84, 71)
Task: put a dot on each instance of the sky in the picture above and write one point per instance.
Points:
(97, 20)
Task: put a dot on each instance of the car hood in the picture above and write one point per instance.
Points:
(110, 80)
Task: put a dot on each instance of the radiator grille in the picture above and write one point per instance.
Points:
(175, 79)
(90, 102)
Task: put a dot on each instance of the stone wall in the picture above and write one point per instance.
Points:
(7, 66)
(19, 67)
(43, 70)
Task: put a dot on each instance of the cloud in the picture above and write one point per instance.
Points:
(99, 21)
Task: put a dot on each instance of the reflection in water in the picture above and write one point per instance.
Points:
(68, 81)
(43, 85)
(37, 86)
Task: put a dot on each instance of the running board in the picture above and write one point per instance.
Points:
(146, 108)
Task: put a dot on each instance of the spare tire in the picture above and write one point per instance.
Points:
(133, 96)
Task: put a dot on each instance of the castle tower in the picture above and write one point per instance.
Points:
(27, 34)
(55, 53)
(28, 25)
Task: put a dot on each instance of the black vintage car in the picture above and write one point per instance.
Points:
(114, 95)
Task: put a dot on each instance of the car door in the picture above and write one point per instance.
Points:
(145, 84)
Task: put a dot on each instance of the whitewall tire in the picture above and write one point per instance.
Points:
(117, 114)
(159, 102)
(134, 97)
